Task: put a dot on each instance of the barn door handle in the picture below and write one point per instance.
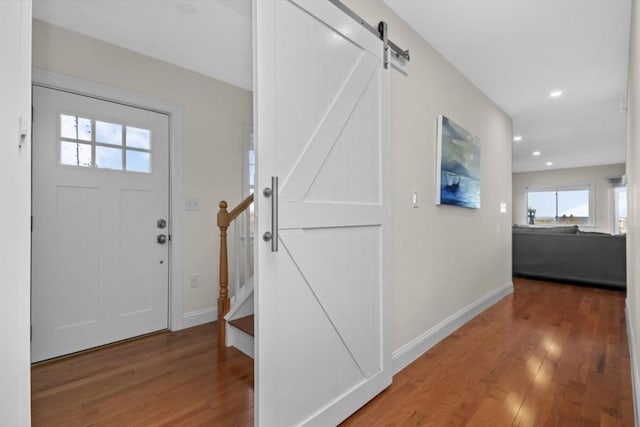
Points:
(273, 234)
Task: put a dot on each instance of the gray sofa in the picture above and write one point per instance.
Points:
(565, 253)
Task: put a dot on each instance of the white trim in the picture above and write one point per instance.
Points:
(416, 348)
(635, 373)
(561, 187)
(241, 232)
(247, 145)
(199, 317)
(615, 199)
(174, 111)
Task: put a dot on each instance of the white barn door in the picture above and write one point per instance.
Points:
(322, 300)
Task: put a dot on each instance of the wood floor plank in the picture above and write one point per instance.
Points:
(548, 355)
(151, 381)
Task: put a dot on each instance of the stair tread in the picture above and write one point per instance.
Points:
(245, 324)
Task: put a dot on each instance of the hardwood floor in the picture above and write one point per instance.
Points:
(549, 355)
(172, 379)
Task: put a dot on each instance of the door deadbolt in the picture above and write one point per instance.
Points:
(162, 223)
(162, 239)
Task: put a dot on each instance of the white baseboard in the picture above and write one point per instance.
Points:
(416, 348)
(635, 375)
(199, 317)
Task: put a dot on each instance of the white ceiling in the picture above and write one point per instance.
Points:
(515, 51)
(211, 37)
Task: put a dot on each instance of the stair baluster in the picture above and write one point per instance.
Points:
(224, 221)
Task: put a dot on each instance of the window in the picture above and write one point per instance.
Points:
(99, 144)
(249, 179)
(620, 209)
(250, 167)
(559, 206)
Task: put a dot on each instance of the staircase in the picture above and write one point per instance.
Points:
(240, 334)
(244, 324)
(239, 322)
(235, 313)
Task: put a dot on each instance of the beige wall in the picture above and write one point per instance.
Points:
(444, 258)
(595, 175)
(633, 195)
(214, 114)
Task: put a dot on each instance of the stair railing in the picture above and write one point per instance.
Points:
(224, 221)
(241, 280)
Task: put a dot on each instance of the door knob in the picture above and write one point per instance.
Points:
(162, 223)
(162, 239)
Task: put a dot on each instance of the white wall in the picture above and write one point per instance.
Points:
(633, 195)
(594, 175)
(214, 115)
(444, 258)
(15, 177)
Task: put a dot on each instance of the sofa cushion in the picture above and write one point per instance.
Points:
(560, 229)
(594, 233)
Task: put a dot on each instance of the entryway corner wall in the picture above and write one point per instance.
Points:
(214, 114)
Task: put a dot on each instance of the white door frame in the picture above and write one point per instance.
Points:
(65, 83)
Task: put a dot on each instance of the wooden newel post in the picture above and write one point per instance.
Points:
(223, 296)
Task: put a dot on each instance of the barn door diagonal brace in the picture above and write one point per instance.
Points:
(381, 32)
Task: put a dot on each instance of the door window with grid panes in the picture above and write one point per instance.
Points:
(88, 142)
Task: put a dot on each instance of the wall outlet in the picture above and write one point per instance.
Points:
(192, 204)
(194, 280)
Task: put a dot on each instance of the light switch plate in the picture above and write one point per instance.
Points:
(194, 280)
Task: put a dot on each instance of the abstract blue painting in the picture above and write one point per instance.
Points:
(458, 166)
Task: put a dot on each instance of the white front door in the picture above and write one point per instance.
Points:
(100, 211)
(322, 317)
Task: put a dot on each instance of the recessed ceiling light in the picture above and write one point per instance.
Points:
(517, 138)
(555, 93)
(536, 153)
(549, 163)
